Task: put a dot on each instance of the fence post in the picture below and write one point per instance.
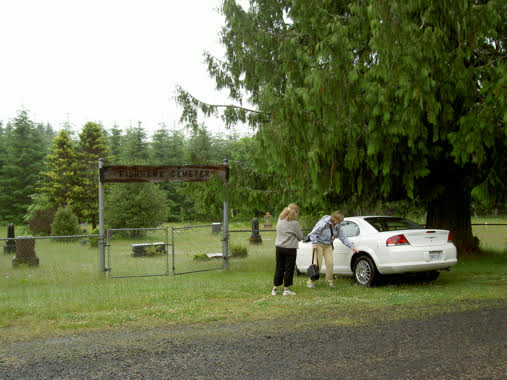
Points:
(102, 256)
(225, 232)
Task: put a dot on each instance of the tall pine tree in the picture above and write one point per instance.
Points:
(23, 151)
(92, 146)
(62, 177)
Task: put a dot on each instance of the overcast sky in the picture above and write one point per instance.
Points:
(111, 61)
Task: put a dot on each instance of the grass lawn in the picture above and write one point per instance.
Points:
(47, 301)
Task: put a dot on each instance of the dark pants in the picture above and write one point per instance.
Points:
(285, 264)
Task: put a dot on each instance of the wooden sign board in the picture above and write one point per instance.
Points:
(183, 173)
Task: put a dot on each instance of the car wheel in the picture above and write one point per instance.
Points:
(365, 272)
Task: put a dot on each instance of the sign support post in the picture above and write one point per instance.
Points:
(102, 256)
(225, 239)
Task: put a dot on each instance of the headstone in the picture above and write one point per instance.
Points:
(10, 246)
(216, 227)
(267, 220)
(255, 238)
(25, 252)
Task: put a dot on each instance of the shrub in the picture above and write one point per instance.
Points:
(94, 241)
(40, 223)
(237, 250)
(65, 222)
(154, 250)
(201, 257)
(135, 205)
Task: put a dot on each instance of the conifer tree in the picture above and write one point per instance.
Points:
(22, 157)
(135, 146)
(361, 100)
(62, 177)
(114, 141)
(92, 146)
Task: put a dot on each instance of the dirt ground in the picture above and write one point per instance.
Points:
(465, 345)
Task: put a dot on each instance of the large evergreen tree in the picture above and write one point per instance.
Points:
(167, 147)
(62, 177)
(92, 146)
(135, 146)
(372, 99)
(115, 139)
(22, 158)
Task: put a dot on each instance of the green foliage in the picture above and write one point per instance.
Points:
(62, 180)
(65, 222)
(201, 257)
(359, 101)
(135, 205)
(134, 147)
(94, 241)
(23, 147)
(237, 250)
(40, 223)
(154, 250)
(114, 141)
(92, 146)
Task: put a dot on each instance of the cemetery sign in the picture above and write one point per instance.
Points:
(181, 173)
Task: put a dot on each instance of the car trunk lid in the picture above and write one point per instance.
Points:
(424, 238)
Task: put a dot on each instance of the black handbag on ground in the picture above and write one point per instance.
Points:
(313, 270)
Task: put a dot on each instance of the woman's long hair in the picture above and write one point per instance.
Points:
(290, 212)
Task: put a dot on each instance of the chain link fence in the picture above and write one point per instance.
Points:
(491, 236)
(136, 252)
(158, 251)
(197, 248)
(49, 257)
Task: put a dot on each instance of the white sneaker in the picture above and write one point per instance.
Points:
(273, 292)
(288, 293)
(311, 286)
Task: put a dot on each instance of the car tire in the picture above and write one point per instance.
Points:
(365, 272)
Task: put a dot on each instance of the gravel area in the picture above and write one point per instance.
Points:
(465, 345)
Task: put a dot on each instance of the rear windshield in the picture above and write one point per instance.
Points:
(382, 224)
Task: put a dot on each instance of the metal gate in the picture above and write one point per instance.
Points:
(197, 248)
(137, 252)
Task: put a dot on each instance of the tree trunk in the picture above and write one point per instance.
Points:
(451, 211)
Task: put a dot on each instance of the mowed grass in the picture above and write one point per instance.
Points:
(66, 295)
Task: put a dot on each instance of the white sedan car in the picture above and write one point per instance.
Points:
(386, 245)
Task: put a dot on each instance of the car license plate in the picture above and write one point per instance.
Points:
(435, 255)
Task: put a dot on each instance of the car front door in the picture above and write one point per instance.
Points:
(342, 253)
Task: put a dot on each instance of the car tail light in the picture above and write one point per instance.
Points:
(397, 240)
(449, 237)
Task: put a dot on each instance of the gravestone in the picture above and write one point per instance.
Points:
(216, 227)
(255, 238)
(267, 220)
(25, 252)
(10, 246)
